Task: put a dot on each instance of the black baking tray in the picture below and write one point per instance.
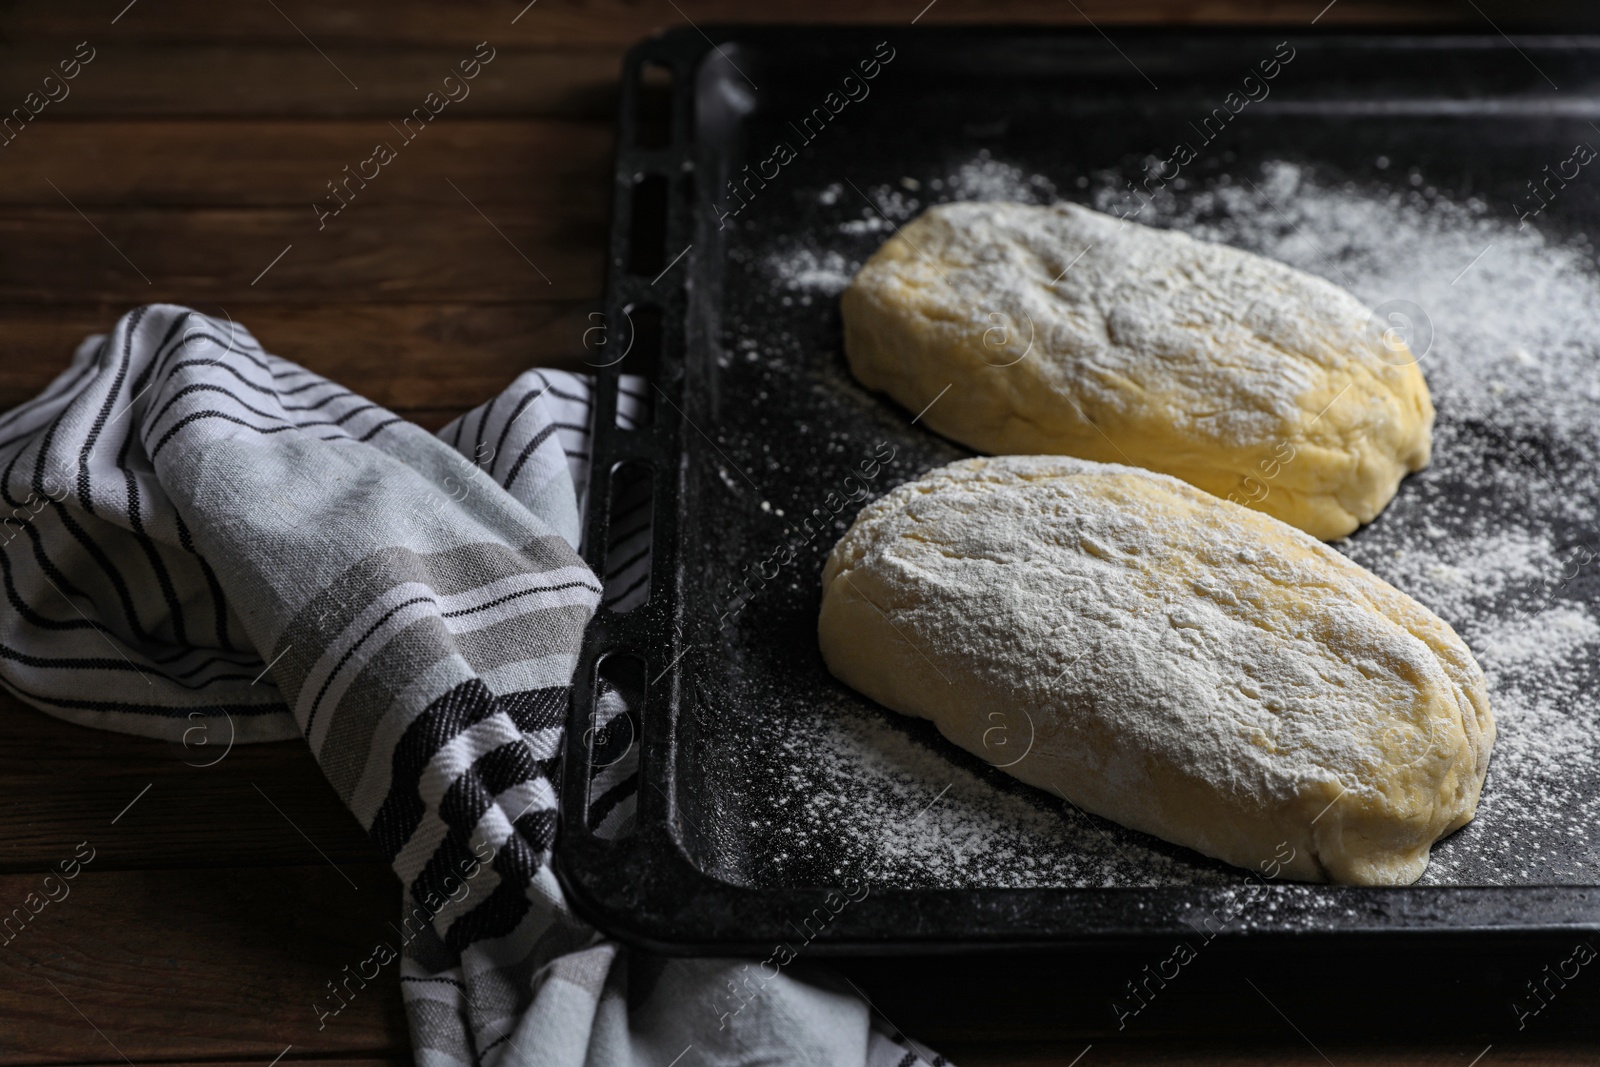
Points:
(756, 420)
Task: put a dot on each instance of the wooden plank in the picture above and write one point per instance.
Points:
(1175, 1052)
(374, 252)
(556, 60)
(555, 165)
(247, 78)
(188, 963)
(440, 358)
(193, 962)
(255, 805)
(617, 23)
(226, 963)
(293, 1059)
(183, 965)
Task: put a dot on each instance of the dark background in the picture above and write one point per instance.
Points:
(184, 161)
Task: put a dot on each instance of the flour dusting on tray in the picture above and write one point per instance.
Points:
(1507, 322)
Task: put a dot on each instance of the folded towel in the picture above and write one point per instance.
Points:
(203, 536)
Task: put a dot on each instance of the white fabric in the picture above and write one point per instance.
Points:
(198, 535)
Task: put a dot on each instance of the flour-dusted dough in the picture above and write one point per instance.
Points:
(1166, 659)
(1062, 330)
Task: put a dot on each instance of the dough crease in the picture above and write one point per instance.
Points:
(1174, 662)
(1066, 331)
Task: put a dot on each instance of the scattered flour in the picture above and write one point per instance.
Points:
(927, 819)
(821, 272)
(986, 178)
(1500, 537)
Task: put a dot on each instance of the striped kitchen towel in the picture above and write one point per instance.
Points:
(200, 535)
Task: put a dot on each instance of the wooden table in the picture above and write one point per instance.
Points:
(220, 899)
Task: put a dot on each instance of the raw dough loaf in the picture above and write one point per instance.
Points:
(1066, 331)
(1168, 660)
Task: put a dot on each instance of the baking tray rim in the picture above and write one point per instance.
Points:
(657, 850)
